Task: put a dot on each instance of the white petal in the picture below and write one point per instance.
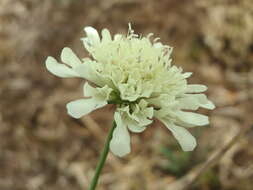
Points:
(187, 74)
(117, 37)
(189, 103)
(158, 45)
(163, 100)
(192, 118)
(86, 71)
(183, 136)
(196, 88)
(99, 94)
(135, 128)
(87, 44)
(106, 36)
(92, 35)
(162, 113)
(88, 90)
(149, 112)
(128, 92)
(192, 101)
(69, 57)
(81, 107)
(135, 123)
(120, 143)
(209, 105)
(202, 99)
(58, 69)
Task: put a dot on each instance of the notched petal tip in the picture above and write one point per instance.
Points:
(50, 60)
(58, 69)
(69, 57)
(92, 35)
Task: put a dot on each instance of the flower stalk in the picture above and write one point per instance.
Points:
(102, 158)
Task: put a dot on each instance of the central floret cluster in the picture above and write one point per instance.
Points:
(136, 74)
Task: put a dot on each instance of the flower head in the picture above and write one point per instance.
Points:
(136, 74)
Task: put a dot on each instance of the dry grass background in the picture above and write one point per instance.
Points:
(41, 147)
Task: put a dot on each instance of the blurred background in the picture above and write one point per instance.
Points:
(42, 148)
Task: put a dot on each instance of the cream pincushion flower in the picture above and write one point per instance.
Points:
(135, 74)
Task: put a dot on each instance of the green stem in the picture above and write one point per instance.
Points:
(102, 158)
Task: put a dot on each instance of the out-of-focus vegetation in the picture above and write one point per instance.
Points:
(178, 162)
(228, 31)
(41, 147)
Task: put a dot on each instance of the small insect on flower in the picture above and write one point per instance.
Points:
(136, 75)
